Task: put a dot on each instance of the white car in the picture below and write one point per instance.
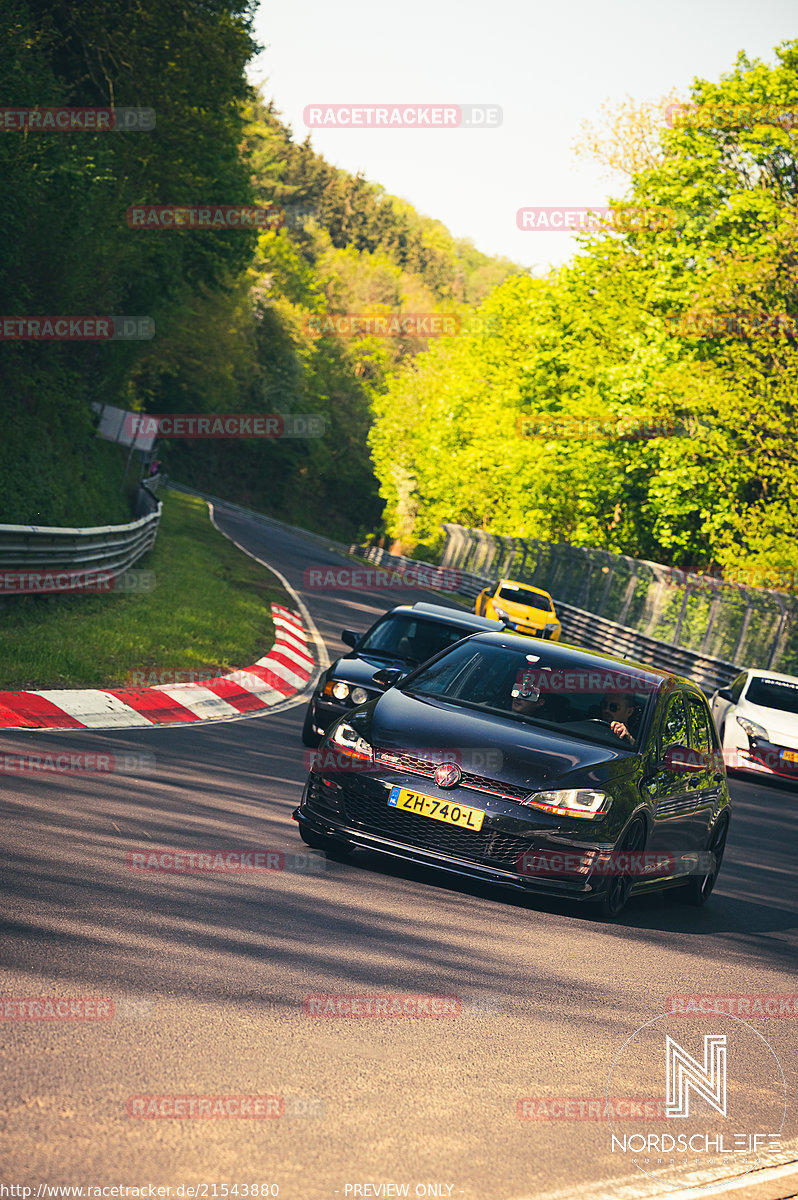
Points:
(757, 718)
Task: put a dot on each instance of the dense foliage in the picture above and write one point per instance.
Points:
(642, 398)
(67, 249)
(684, 330)
(232, 308)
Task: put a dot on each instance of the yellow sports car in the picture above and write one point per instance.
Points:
(524, 608)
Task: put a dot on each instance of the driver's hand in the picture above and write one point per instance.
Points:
(620, 730)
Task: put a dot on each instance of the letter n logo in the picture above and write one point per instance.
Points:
(684, 1072)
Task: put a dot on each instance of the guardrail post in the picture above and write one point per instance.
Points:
(677, 631)
(628, 594)
(779, 631)
(602, 604)
(745, 623)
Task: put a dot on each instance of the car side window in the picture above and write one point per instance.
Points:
(737, 686)
(699, 726)
(674, 728)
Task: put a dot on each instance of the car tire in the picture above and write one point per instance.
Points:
(331, 846)
(616, 897)
(309, 737)
(698, 888)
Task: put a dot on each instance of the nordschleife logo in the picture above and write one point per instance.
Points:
(721, 1101)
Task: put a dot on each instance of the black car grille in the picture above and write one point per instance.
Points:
(401, 761)
(371, 811)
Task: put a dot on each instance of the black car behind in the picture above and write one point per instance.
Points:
(399, 640)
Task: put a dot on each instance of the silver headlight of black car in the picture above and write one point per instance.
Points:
(347, 739)
(572, 802)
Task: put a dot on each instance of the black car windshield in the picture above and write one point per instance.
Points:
(518, 595)
(773, 693)
(410, 638)
(581, 699)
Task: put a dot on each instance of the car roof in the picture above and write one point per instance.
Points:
(441, 615)
(527, 587)
(774, 675)
(575, 656)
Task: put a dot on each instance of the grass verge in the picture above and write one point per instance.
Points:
(208, 613)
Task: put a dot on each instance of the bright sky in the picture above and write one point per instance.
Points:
(548, 65)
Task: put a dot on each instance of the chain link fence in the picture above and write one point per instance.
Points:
(752, 627)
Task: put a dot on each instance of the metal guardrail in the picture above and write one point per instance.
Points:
(111, 549)
(588, 630)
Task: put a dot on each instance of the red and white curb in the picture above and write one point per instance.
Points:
(283, 672)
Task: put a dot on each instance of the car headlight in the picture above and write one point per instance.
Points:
(752, 729)
(349, 740)
(501, 614)
(572, 802)
(552, 627)
(359, 695)
(340, 689)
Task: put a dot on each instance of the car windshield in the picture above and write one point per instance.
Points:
(518, 595)
(409, 638)
(581, 700)
(773, 693)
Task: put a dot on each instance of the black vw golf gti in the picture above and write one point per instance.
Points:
(545, 768)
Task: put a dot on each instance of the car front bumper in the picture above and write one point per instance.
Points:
(354, 809)
(763, 758)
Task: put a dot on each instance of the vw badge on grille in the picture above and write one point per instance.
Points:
(448, 775)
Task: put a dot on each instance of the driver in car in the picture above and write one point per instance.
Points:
(617, 709)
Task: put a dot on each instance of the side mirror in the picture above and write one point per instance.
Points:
(387, 677)
(684, 761)
(350, 638)
(724, 694)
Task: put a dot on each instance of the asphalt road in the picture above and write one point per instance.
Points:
(208, 974)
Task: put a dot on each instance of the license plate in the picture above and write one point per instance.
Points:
(439, 810)
(790, 755)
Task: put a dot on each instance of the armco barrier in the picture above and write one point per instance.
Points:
(592, 632)
(110, 549)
